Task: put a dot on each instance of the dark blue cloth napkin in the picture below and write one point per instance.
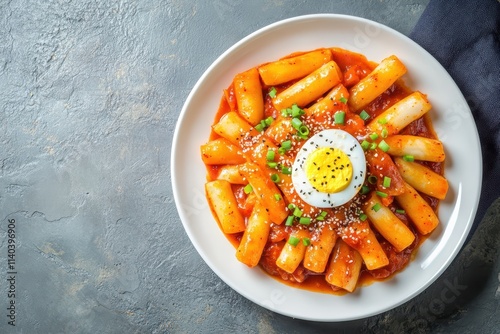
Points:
(464, 37)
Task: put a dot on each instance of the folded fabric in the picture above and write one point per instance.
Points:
(464, 37)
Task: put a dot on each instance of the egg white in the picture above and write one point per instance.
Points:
(333, 138)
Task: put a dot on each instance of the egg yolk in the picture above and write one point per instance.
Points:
(328, 169)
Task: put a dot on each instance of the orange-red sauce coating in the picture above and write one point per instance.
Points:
(354, 67)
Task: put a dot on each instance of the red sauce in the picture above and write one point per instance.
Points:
(392, 95)
(354, 67)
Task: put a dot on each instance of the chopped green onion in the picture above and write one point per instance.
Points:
(306, 241)
(296, 123)
(259, 127)
(297, 212)
(291, 206)
(287, 144)
(401, 211)
(277, 197)
(285, 113)
(372, 179)
(303, 131)
(373, 136)
(269, 120)
(364, 115)
(305, 220)
(363, 217)
(272, 164)
(289, 221)
(343, 100)
(376, 207)
(387, 182)
(296, 111)
(384, 133)
(381, 194)
(373, 146)
(294, 241)
(270, 155)
(275, 178)
(272, 92)
(365, 189)
(281, 150)
(339, 118)
(365, 144)
(248, 189)
(409, 158)
(383, 146)
(286, 170)
(321, 216)
(382, 121)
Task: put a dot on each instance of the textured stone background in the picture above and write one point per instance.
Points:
(90, 92)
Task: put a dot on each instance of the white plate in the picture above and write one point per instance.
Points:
(452, 120)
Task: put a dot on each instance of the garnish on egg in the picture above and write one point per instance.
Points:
(329, 169)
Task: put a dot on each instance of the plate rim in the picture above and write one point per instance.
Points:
(247, 39)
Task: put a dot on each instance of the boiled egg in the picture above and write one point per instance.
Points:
(329, 169)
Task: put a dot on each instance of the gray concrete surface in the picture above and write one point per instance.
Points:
(90, 92)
